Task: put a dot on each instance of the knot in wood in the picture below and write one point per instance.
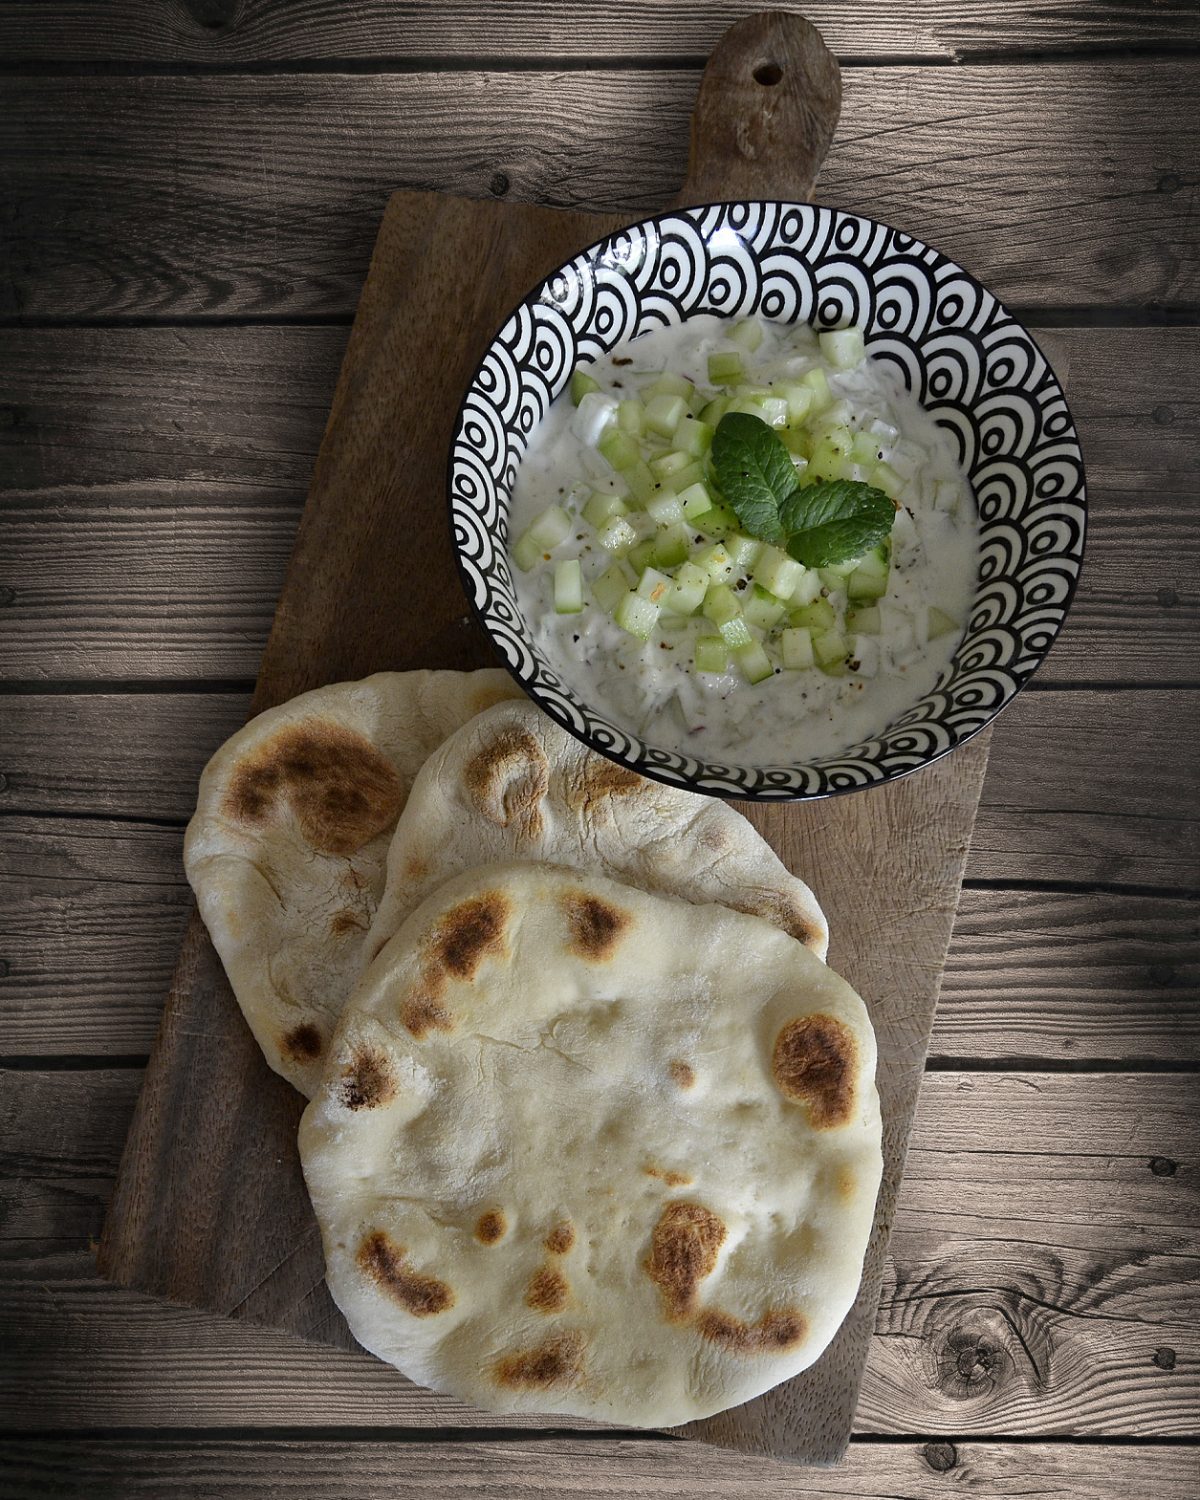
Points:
(7, 595)
(1163, 1166)
(970, 1364)
(941, 1457)
(213, 15)
(1164, 1358)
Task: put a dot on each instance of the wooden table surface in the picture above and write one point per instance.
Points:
(188, 196)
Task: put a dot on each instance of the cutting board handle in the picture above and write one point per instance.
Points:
(766, 112)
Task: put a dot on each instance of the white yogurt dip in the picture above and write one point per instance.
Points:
(652, 687)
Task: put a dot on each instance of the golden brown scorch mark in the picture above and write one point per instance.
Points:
(683, 1251)
(346, 922)
(783, 912)
(548, 1290)
(600, 777)
(507, 780)
(366, 1081)
(303, 1043)
(813, 1063)
(561, 1238)
(672, 1179)
(467, 933)
(596, 926)
(490, 1226)
(682, 1073)
(422, 1011)
(383, 1261)
(341, 790)
(774, 1332)
(556, 1362)
(415, 868)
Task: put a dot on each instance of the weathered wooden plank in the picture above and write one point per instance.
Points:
(620, 1467)
(1083, 1246)
(94, 912)
(206, 196)
(222, 34)
(1128, 819)
(155, 477)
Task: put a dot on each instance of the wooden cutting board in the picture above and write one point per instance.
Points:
(209, 1207)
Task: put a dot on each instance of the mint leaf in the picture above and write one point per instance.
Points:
(754, 471)
(834, 520)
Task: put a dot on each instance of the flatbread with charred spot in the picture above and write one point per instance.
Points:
(287, 848)
(512, 785)
(630, 1173)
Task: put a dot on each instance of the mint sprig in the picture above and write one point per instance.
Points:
(820, 524)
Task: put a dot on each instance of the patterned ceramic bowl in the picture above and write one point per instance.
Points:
(959, 351)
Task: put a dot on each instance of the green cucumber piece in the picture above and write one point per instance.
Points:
(712, 655)
(687, 591)
(797, 648)
(568, 588)
(818, 616)
(581, 385)
(777, 572)
(637, 616)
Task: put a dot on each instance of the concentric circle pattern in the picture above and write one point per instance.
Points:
(956, 348)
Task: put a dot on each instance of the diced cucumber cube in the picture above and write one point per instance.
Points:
(654, 586)
(844, 348)
(799, 400)
(630, 415)
(712, 655)
(725, 369)
(667, 464)
(808, 588)
(947, 495)
(715, 561)
(568, 588)
(885, 478)
(797, 648)
(865, 620)
(527, 554)
(696, 500)
(551, 527)
(829, 649)
(865, 449)
(671, 546)
(642, 484)
(797, 440)
(818, 383)
(763, 609)
(582, 385)
(940, 623)
(683, 479)
(687, 591)
(602, 507)
(641, 556)
(754, 662)
(670, 384)
(664, 413)
(744, 550)
(715, 410)
(834, 582)
(616, 535)
(636, 615)
(747, 334)
(611, 587)
(665, 508)
(693, 437)
(618, 449)
(866, 585)
(774, 410)
(777, 572)
(818, 616)
(722, 608)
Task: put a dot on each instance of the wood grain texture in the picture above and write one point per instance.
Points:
(94, 911)
(1033, 1275)
(633, 1468)
(154, 477)
(1126, 817)
(217, 33)
(200, 197)
(167, 1229)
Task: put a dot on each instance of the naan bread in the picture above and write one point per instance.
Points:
(513, 785)
(287, 848)
(584, 1149)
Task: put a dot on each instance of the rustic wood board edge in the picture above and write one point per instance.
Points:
(211, 1142)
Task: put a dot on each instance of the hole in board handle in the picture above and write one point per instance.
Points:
(768, 74)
